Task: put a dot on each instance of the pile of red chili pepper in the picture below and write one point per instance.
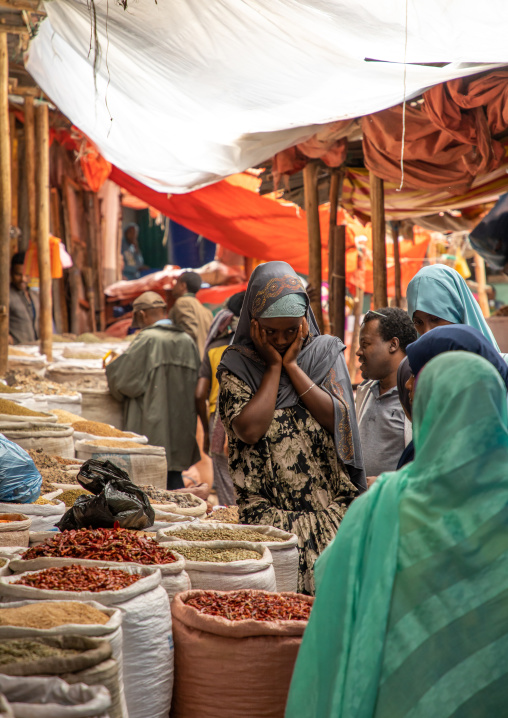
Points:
(79, 578)
(252, 605)
(103, 545)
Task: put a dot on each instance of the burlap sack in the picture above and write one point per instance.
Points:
(231, 668)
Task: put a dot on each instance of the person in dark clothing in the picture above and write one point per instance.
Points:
(23, 305)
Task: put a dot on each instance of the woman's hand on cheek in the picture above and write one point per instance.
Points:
(291, 355)
(265, 350)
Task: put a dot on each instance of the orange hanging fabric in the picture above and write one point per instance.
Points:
(31, 266)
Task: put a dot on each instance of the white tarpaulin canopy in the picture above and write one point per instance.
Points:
(187, 92)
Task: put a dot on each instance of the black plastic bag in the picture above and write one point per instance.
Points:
(116, 499)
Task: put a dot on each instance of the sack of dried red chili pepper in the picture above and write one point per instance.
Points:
(106, 547)
(116, 499)
(214, 654)
(146, 626)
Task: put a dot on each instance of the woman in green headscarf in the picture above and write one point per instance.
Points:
(437, 295)
(411, 614)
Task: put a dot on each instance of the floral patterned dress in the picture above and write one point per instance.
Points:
(291, 478)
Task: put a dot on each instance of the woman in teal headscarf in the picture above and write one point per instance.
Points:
(437, 295)
(411, 614)
(287, 405)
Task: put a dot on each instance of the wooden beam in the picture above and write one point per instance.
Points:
(5, 204)
(377, 205)
(21, 5)
(481, 279)
(314, 233)
(334, 203)
(396, 260)
(26, 91)
(30, 167)
(43, 214)
(14, 30)
(14, 171)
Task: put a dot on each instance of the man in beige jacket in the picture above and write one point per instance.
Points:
(188, 313)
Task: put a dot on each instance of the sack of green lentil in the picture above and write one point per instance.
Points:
(143, 463)
(43, 619)
(283, 545)
(44, 515)
(148, 655)
(55, 439)
(242, 665)
(227, 565)
(75, 659)
(54, 698)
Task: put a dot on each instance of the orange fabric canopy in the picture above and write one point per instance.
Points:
(232, 214)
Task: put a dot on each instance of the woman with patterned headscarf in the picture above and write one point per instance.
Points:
(287, 406)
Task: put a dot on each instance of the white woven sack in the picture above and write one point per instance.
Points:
(39, 697)
(67, 402)
(4, 569)
(148, 654)
(44, 517)
(173, 575)
(83, 436)
(46, 418)
(63, 372)
(5, 709)
(146, 465)
(233, 575)
(52, 440)
(187, 512)
(110, 631)
(284, 553)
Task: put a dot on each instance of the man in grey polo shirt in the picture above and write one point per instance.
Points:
(384, 336)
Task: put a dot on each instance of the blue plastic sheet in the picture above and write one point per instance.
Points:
(20, 482)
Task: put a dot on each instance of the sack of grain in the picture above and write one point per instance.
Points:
(243, 666)
(44, 516)
(144, 464)
(52, 697)
(76, 659)
(14, 529)
(74, 372)
(66, 402)
(283, 545)
(148, 655)
(87, 430)
(223, 572)
(100, 405)
(27, 399)
(14, 412)
(174, 578)
(51, 438)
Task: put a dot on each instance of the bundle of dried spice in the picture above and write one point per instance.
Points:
(103, 545)
(252, 605)
(79, 578)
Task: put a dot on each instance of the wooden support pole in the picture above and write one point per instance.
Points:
(396, 260)
(314, 233)
(5, 204)
(30, 166)
(334, 204)
(481, 280)
(337, 285)
(377, 205)
(43, 213)
(14, 171)
(357, 312)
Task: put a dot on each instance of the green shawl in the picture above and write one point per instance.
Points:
(411, 615)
